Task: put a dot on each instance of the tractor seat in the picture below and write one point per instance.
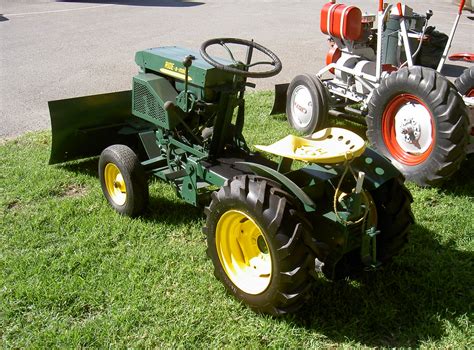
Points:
(341, 21)
(327, 146)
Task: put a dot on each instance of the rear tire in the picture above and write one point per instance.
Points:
(255, 241)
(418, 120)
(123, 180)
(465, 82)
(394, 217)
(307, 104)
(392, 201)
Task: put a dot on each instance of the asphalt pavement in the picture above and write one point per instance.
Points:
(52, 50)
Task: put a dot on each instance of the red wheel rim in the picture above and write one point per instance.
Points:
(392, 132)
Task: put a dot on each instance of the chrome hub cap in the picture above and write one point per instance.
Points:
(413, 128)
(301, 106)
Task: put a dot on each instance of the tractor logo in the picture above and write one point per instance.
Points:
(170, 69)
(301, 108)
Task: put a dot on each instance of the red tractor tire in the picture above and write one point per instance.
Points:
(417, 119)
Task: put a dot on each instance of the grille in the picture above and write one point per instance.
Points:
(144, 102)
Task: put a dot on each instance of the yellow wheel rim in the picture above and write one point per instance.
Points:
(115, 184)
(243, 252)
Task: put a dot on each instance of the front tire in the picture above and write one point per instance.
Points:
(418, 120)
(123, 180)
(255, 241)
(307, 104)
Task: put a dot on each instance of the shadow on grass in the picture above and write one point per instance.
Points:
(462, 182)
(172, 212)
(157, 3)
(408, 302)
(87, 166)
(401, 306)
(167, 209)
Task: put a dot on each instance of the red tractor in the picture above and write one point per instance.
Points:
(386, 72)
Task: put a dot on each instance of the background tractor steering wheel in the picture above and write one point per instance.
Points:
(251, 45)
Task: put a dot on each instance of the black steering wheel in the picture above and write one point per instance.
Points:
(251, 45)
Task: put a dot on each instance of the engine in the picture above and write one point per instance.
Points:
(352, 41)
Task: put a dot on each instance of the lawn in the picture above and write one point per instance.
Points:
(75, 274)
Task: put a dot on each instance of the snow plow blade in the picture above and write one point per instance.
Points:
(82, 127)
(279, 102)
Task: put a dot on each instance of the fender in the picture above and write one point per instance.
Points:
(378, 169)
(265, 171)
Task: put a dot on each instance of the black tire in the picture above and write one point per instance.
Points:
(392, 201)
(311, 113)
(465, 82)
(431, 144)
(394, 217)
(275, 218)
(123, 180)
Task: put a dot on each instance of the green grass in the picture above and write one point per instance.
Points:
(75, 274)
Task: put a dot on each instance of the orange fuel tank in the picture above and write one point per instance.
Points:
(341, 21)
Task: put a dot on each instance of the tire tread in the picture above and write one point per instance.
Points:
(285, 229)
(451, 122)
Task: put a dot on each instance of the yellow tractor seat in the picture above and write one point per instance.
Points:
(327, 146)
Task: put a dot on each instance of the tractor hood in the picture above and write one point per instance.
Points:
(168, 61)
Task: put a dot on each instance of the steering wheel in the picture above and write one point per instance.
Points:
(251, 45)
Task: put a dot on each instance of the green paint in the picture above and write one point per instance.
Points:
(168, 61)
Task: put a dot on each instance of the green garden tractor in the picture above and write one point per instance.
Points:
(330, 206)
